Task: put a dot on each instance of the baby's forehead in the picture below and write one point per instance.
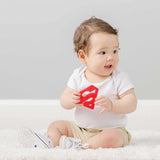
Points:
(104, 39)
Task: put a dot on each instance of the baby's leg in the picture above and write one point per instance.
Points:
(57, 129)
(109, 138)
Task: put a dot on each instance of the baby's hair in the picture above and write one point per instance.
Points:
(86, 29)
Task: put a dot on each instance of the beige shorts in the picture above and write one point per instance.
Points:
(84, 134)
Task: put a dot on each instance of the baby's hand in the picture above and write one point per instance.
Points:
(104, 102)
(76, 98)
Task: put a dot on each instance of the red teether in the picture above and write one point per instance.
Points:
(88, 100)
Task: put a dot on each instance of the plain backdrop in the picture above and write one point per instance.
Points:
(36, 44)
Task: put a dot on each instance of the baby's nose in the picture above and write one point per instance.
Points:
(109, 58)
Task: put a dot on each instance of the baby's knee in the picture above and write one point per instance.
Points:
(114, 140)
(60, 127)
(55, 124)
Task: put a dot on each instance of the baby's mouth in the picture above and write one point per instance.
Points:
(108, 66)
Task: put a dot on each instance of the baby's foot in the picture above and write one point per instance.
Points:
(69, 142)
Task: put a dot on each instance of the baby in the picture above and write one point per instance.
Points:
(96, 44)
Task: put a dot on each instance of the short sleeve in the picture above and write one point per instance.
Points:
(72, 82)
(123, 83)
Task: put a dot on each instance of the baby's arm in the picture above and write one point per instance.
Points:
(126, 103)
(70, 98)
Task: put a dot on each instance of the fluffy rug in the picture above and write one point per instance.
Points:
(145, 145)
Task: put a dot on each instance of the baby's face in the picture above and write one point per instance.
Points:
(102, 57)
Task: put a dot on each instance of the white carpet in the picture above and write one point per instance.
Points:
(145, 145)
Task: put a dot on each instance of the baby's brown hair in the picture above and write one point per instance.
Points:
(87, 28)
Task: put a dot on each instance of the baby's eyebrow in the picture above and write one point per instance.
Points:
(116, 46)
(108, 48)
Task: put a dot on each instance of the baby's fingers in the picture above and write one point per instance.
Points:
(99, 100)
(102, 110)
(76, 95)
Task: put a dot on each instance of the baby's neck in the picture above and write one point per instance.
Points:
(94, 78)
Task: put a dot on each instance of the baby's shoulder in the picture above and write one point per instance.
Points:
(119, 75)
(79, 71)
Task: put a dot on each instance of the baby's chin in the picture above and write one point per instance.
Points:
(106, 75)
(109, 74)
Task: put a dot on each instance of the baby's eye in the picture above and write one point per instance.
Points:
(115, 51)
(103, 52)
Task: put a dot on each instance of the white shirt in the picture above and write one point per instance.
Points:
(111, 87)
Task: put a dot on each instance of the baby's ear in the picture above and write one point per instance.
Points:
(82, 56)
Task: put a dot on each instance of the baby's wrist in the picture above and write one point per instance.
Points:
(111, 106)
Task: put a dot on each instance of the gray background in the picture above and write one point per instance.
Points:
(36, 48)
